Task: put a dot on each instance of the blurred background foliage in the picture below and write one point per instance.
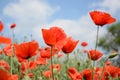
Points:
(111, 41)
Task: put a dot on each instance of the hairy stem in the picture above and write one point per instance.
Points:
(96, 45)
(51, 63)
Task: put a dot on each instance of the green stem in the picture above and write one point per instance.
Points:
(103, 69)
(13, 35)
(19, 72)
(51, 63)
(11, 59)
(96, 45)
(13, 53)
(36, 75)
(11, 62)
(67, 59)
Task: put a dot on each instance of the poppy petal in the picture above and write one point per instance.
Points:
(70, 45)
(1, 26)
(4, 75)
(33, 46)
(48, 37)
(5, 40)
(101, 18)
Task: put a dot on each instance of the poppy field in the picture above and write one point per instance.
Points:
(58, 60)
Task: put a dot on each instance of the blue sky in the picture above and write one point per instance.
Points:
(71, 15)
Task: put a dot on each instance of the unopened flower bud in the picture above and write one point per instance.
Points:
(112, 55)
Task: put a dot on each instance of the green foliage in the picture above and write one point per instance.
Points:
(111, 40)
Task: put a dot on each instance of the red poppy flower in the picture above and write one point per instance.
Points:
(4, 75)
(84, 44)
(1, 26)
(26, 50)
(45, 52)
(118, 71)
(1, 52)
(54, 37)
(87, 74)
(70, 45)
(47, 74)
(5, 40)
(31, 75)
(85, 51)
(27, 65)
(94, 54)
(59, 55)
(108, 63)
(24, 66)
(110, 71)
(14, 77)
(13, 26)
(101, 18)
(56, 67)
(32, 65)
(98, 71)
(41, 61)
(4, 65)
(74, 74)
(8, 50)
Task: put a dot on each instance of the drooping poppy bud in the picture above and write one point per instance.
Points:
(84, 44)
(13, 26)
(112, 55)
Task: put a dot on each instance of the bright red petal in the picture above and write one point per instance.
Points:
(22, 50)
(41, 61)
(70, 45)
(26, 50)
(4, 75)
(5, 40)
(58, 32)
(101, 18)
(95, 54)
(1, 26)
(33, 46)
(111, 20)
(60, 43)
(60, 36)
(49, 37)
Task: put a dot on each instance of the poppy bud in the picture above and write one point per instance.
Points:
(108, 63)
(84, 44)
(13, 26)
(112, 55)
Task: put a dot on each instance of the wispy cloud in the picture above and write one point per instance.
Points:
(82, 29)
(112, 6)
(29, 13)
(32, 15)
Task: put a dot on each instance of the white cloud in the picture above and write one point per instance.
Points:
(82, 29)
(29, 9)
(112, 6)
(29, 13)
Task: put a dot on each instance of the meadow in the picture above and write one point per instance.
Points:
(58, 60)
